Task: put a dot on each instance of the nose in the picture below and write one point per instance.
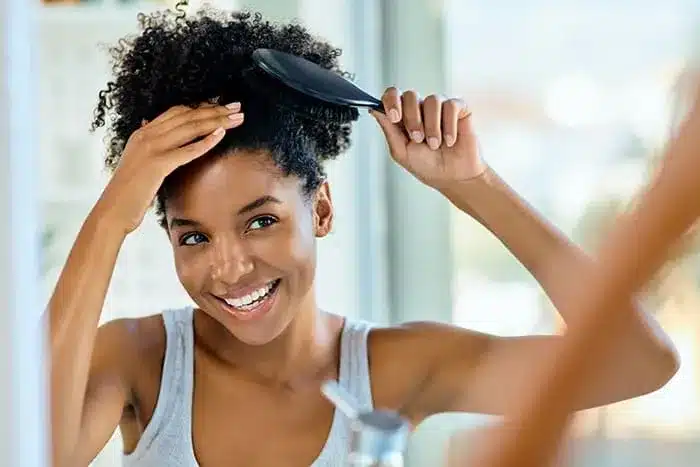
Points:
(230, 260)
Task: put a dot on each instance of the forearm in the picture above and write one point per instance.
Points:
(555, 262)
(539, 246)
(73, 315)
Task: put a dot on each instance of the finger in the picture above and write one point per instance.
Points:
(412, 119)
(193, 129)
(168, 114)
(207, 105)
(451, 111)
(464, 123)
(200, 113)
(395, 137)
(391, 101)
(432, 116)
(197, 149)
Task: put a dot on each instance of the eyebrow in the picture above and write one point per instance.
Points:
(258, 203)
(179, 222)
(252, 206)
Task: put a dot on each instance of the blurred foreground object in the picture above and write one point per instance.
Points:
(640, 242)
(378, 438)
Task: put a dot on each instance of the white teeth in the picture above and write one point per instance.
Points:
(247, 300)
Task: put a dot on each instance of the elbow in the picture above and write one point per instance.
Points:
(666, 363)
(657, 355)
(672, 363)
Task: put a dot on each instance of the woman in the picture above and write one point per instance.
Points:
(240, 191)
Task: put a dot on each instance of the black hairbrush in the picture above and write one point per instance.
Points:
(321, 94)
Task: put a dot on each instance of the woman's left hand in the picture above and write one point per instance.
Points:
(432, 138)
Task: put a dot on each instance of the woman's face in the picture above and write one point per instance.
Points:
(244, 241)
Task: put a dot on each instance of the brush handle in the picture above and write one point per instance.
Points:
(378, 106)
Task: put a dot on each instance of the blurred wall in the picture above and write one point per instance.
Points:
(22, 434)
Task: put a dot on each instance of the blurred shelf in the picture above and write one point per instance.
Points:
(93, 14)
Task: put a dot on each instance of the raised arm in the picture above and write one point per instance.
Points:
(458, 370)
(90, 383)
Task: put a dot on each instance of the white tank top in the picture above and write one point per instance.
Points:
(167, 440)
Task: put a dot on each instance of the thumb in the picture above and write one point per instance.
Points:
(466, 136)
(394, 134)
(464, 124)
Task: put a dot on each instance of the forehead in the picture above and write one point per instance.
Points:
(230, 180)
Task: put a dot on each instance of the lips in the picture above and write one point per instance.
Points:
(253, 304)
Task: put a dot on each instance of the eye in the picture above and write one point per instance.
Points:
(261, 222)
(191, 239)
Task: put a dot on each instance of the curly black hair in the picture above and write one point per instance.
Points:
(187, 60)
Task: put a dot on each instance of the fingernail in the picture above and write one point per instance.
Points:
(417, 136)
(235, 106)
(236, 117)
(449, 140)
(219, 131)
(433, 143)
(394, 116)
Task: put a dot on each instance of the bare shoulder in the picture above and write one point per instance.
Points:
(403, 358)
(132, 336)
(128, 346)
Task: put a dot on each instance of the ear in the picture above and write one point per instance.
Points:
(323, 211)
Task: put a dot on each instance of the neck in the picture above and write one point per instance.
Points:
(307, 350)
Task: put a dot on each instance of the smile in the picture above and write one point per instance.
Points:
(253, 304)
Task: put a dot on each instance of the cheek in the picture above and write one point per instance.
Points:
(303, 249)
(191, 269)
(294, 244)
(303, 246)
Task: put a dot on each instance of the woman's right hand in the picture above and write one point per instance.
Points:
(156, 150)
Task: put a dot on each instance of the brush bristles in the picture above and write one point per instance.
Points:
(290, 99)
(332, 113)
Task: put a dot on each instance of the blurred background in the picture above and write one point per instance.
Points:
(572, 100)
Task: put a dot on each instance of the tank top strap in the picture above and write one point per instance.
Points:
(171, 418)
(354, 362)
(354, 377)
